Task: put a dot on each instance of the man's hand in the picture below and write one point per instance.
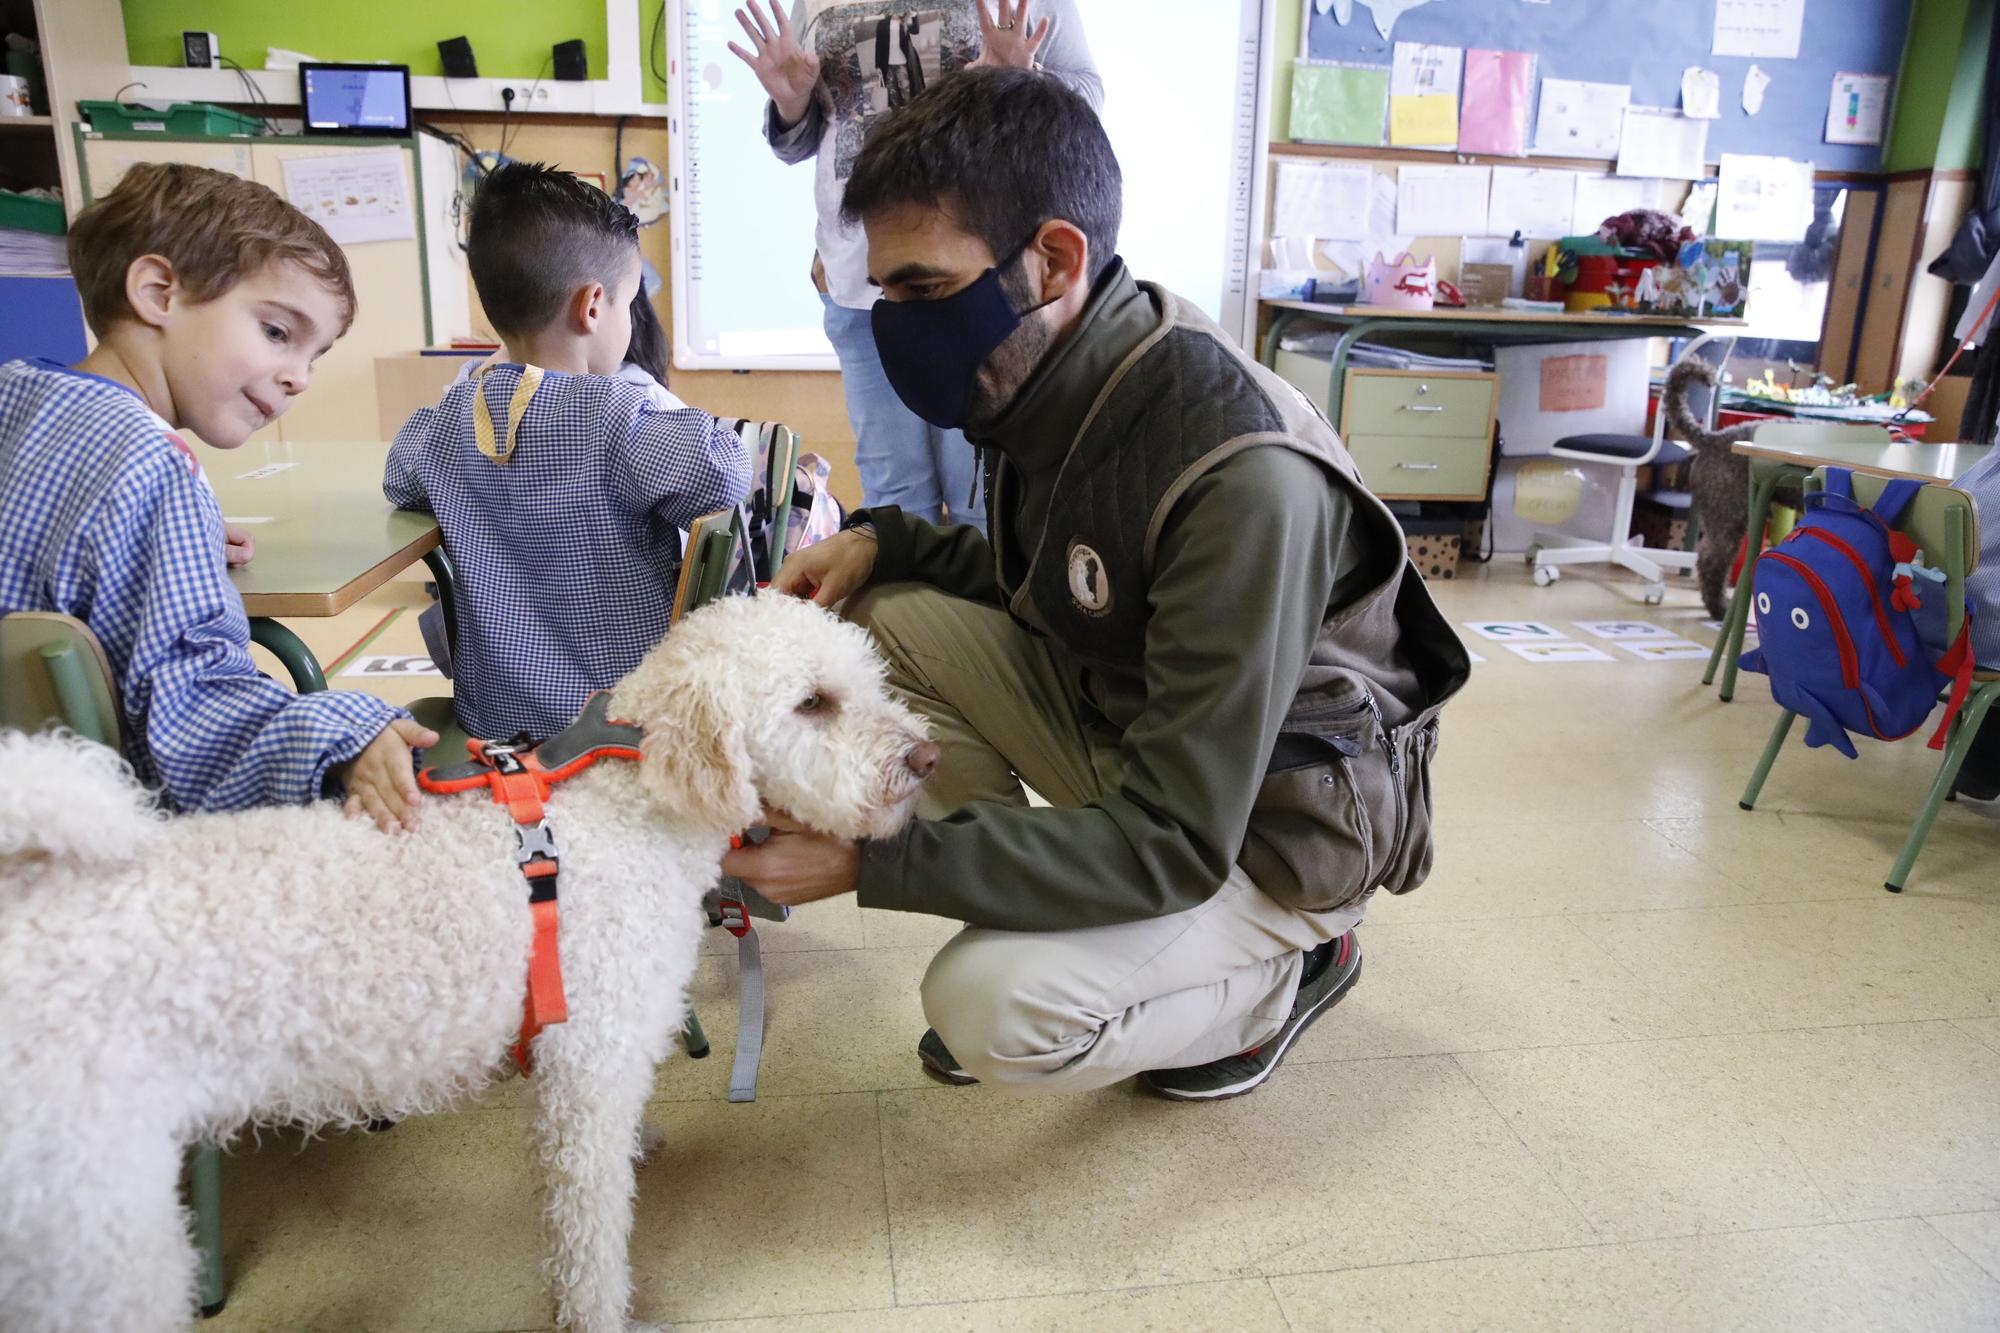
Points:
(379, 780)
(796, 864)
(1011, 39)
(787, 70)
(237, 545)
(828, 571)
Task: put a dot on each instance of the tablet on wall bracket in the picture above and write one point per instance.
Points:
(371, 100)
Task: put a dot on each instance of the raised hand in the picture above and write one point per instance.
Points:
(787, 70)
(1010, 38)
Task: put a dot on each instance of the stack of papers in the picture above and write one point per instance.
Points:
(26, 253)
(1376, 356)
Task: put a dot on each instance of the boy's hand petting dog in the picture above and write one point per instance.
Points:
(381, 782)
(830, 570)
(795, 864)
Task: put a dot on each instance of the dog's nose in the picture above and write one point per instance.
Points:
(923, 759)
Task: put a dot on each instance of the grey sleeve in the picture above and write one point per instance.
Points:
(1065, 56)
(795, 143)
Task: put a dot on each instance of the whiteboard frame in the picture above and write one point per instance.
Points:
(1242, 259)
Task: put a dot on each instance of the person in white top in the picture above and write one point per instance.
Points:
(832, 68)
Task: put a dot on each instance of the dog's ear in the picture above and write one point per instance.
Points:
(696, 755)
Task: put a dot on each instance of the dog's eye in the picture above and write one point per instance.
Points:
(812, 703)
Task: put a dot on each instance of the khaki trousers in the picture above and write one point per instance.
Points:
(1069, 1010)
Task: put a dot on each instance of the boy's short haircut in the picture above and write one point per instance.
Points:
(214, 228)
(539, 234)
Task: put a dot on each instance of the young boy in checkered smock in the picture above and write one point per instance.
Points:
(561, 490)
(211, 298)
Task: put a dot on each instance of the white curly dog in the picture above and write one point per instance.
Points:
(169, 980)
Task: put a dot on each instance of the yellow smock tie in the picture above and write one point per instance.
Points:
(517, 407)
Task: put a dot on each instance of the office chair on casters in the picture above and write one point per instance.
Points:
(1550, 551)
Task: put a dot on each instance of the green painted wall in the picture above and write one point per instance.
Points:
(1940, 87)
(1286, 29)
(510, 38)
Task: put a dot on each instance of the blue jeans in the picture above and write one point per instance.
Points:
(903, 459)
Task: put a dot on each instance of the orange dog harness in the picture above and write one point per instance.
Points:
(520, 776)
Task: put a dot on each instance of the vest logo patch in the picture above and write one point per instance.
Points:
(1089, 583)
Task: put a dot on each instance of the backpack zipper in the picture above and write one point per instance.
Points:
(1868, 580)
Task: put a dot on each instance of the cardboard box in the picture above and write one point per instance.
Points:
(1485, 284)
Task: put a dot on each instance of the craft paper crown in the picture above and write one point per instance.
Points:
(1402, 283)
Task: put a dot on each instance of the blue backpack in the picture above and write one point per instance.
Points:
(1835, 623)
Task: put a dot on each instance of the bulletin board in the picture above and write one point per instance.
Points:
(1647, 45)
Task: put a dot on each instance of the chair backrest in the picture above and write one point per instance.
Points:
(1942, 521)
(1703, 400)
(53, 671)
(713, 564)
(774, 456)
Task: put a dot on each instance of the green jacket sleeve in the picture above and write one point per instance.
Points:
(955, 559)
(1246, 569)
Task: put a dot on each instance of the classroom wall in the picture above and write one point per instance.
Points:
(510, 38)
(1647, 45)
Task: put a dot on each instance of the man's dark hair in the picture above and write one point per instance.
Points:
(538, 234)
(648, 349)
(1001, 151)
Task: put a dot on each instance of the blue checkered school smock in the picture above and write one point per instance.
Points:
(566, 554)
(105, 516)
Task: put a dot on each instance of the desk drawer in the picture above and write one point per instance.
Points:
(1400, 467)
(1400, 403)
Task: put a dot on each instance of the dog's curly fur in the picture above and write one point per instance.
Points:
(1719, 482)
(172, 980)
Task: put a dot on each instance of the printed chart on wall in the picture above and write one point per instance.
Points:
(1185, 124)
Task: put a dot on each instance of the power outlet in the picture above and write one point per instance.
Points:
(525, 95)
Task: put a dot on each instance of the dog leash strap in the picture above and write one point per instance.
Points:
(750, 1020)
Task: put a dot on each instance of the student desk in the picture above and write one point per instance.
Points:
(1772, 465)
(325, 537)
(1357, 322)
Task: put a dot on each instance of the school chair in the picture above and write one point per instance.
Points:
(1766, 476)
(53, 672)
(1550, 551)
(1944, 524)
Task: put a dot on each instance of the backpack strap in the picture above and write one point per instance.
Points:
(1895, 498)
(1839, 483)
(1956, 663)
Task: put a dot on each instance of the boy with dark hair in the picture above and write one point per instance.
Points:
(560, 489)
(211, 298)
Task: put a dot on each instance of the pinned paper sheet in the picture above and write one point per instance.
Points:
(1535, 202)
(1499, 89)
(1574, 383)
(1339, 103)
(1858, 108)
(1423, 95)
(1601, 197)
(1567, 651)
(1764, 198)
(1441, 201)
(1580, 119)
(1759, 27)
(1326, 200)
(1754, 85)
(1384, 12)
(357, 197)
(1701, 93)
(1658, 141)
(1423, 122)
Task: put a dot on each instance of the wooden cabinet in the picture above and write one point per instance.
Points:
(1420, 435)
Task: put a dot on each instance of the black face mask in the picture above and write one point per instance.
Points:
(932, 350)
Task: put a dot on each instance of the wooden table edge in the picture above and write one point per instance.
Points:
(319, 606)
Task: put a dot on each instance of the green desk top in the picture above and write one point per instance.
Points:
(325, 536)
(1923, 461)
